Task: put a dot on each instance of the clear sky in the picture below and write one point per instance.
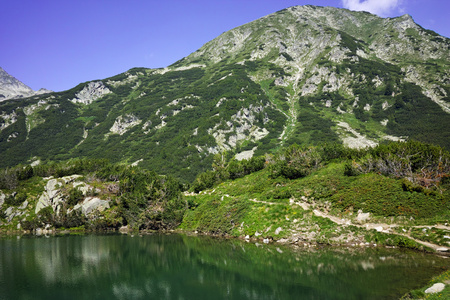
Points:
(57, 44)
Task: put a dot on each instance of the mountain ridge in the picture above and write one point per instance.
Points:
(304, 75)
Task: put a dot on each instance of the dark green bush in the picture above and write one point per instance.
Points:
(74, 196)
(15, 199)
(296, 162)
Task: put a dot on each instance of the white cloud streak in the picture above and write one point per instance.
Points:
(379, 7)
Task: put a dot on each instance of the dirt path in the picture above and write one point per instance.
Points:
(386, 228)
(381, 227)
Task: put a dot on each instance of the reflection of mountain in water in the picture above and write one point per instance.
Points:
(175, 267)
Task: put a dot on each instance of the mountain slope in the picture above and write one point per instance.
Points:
(303, 75)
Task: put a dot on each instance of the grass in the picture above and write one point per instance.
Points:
(259, 206)
(433, 235)
(420, 293)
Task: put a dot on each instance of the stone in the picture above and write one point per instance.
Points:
(2, 198)
(24, 205)
(379, 229)
(92, 204)
(124, 229)
(9, 211)
(442, 249)
(278, 230)
(362, 216)
(436, 288)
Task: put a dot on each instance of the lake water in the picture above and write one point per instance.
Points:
(182, 267)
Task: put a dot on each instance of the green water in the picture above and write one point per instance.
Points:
(181, 267)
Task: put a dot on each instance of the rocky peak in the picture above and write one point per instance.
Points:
(11, 88)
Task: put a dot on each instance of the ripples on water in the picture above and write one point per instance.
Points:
(181, 267)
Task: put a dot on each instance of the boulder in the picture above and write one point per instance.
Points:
(362, 216)
(436, 288)
(92, 204)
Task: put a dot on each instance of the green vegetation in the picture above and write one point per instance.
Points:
(138, 198)
(322, 178)
(420, 293)
(282, 92)
(277, 86)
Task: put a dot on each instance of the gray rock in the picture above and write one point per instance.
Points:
(362, 216)
(91, 92)
(52, 194)
(436, 288)
(125, 229)
(9, 211)
(10, 87)
(24, 205)
(92, 204)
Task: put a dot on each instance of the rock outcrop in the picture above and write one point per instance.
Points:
(91, 92)
(53, 196)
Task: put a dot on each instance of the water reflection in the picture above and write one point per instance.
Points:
(180, 267)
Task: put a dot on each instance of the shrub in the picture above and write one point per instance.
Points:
(74, 196)
(296, 162)
(16, 199)
(422, 164)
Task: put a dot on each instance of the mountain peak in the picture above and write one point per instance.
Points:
(11, 88)
(304, 75)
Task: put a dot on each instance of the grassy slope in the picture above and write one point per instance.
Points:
(257, 205)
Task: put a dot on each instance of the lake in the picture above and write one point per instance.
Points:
(159, 266)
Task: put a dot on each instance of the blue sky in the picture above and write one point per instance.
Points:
(56, 44)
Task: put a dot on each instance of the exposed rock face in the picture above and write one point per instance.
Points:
(91, 204)
(91, 92)
(11, 88)
(124, 123)
(241, 127)
(52, 195)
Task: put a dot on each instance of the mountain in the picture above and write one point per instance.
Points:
(304, 75)
(11, 88)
